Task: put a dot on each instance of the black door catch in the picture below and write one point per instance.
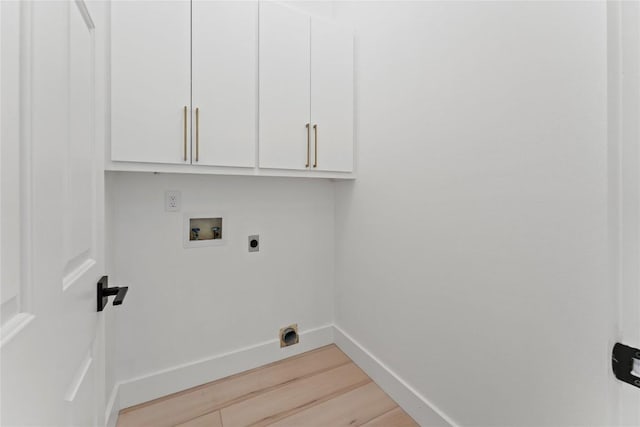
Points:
(104, 292)
(622, 363)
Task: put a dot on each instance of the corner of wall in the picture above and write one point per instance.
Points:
(408, 398)
(113, 407)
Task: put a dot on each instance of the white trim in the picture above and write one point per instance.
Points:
(414, 403)
(77, 273)
(161, 383)
(120, 166)
(26, 162)
(113, 407)
(14, 326)
(181, 377)
(78, 378)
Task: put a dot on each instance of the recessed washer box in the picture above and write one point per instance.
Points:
(201, 230)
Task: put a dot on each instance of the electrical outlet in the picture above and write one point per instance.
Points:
(172, 201)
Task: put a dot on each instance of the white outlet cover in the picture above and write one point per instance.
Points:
(172, 201)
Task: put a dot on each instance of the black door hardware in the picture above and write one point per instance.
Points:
(104, 292)
(622, 363)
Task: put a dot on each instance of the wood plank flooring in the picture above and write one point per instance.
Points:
(322, 388)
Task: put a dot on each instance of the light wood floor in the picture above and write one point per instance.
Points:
(321, 388)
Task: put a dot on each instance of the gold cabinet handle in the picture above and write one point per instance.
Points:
(185, 133)
(315, 133)
(308, 146)
(197, 134)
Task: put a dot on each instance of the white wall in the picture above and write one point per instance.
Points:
(183, 304)
(471, 251)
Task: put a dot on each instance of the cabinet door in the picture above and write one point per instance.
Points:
(225, 82)
(150, 81)
(332, 96)
(284, 86)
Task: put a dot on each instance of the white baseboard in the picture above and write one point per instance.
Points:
(177, 378)
(416, 405)
(152, 386)
(113, 407)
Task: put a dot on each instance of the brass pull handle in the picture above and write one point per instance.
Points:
(315, 132)
(308, 146)
(185, 133)
(197, 134)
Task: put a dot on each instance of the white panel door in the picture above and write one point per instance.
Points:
(624, 140)
(284, 87)
(331, 96)
(150, 81)
(225, 82)
(52, 367)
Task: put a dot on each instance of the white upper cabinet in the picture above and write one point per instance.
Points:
(331, 96)
(199, 86)
(150, 81)
(285, 85)
(225, 82)
(306, 92)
